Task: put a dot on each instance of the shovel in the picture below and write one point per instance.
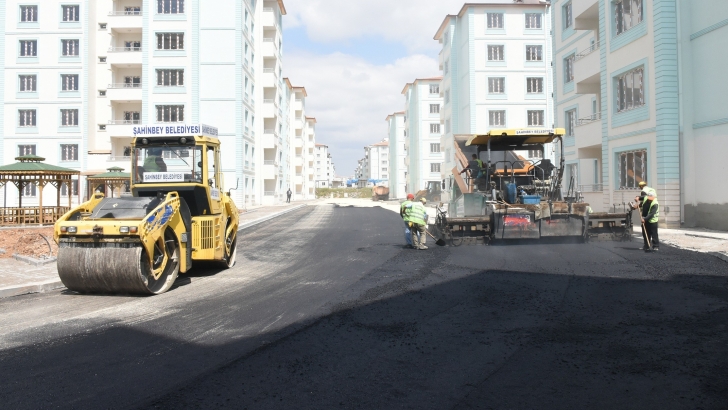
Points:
(644, 231)
(438, 242)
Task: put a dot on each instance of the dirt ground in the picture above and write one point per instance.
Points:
(27, 242)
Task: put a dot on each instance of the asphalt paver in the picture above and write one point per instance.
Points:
(327, 309)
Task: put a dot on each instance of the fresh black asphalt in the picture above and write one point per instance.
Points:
(327, 309)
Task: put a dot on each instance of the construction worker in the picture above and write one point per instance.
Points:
(475, 166)
(643, 194)
(403, 215)
(154, 162)
(417, 214)
(650, 215)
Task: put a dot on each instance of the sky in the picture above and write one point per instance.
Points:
(354, 57)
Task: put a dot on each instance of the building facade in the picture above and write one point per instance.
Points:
(641, 97)
(496, 71)
(79, 75)
(423, 132)
(325, 170)
(397, 156)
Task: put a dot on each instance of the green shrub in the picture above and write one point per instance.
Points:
(339, 192)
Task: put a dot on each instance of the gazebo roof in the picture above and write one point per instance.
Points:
(34, 165)
(114, 173)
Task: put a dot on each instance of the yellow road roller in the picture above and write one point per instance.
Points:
(176, 211)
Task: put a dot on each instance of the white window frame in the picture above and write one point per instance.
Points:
(434, 167)
(496, 52)
(626, 20)
(534, 85)
(434, 128)
(166, 113)
(634, 163)
(27, 83)
(534, 52)
(569, 68)
(69, 117)
(174, 41)
(434, 147)
(28, 13)
(70, 13)
(495, 21)
(434, 89)
(533, 20)
(570, 122)
(28, 48)
(434, 108)
(627, 84)
(27, 118)
(69, 152)
(497, 118)
(568, 15)
(70, 48)
(27, 149)
(74, 189)
(535, 118)
(170, 7)
(168, 77)
(496, 85)
(69, 82)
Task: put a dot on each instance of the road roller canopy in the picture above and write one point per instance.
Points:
(515, 138)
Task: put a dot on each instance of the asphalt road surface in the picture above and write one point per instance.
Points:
(326, 309)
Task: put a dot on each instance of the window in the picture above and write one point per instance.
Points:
(69, 152)
(102, 26)
(69, 82)
(569, 69)
(384, 170)
(627, 14)
(534, 153)
(26, 150)
(74, 188)
(568, 16)
(28, 14)
(495, 53)
(495, 20)
(497, 118)
(534, 53)
(447, 96)
(434, 89)
(27, 83)
(170, 6)
(134, 45)
(170, 41)
(132, 81)
(534, 85)
(434, 167)
(70, 13)
(132, 10)
(26, 119)
(434, 108)
(70, 48)
(447, 126)
(533, 20)
(630, 90)
(570, 122)
(535, 118)
(632, 168)
(496, 85)
(434, 128)
(69, 118)
(132, 117)
(28, 48)
(434, 148)
(29, 189)
(170, 78)
(446, 67)
(170, 113)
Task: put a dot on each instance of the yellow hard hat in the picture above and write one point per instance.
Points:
(423, 200)
(642, 183)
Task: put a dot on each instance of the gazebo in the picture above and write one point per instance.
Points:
(30, 169)
(115, 178)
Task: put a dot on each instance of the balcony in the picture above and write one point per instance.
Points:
(587, 70)
(586, 15)
(124, 55)
(124, 20)
(270, 169)
(270, 18)
(270, 138)
(298, 104)
(589, 131)
(270, 49)
(270, 78)
(124, 92)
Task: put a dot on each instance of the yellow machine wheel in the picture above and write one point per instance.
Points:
(231, 247)
(120, 270)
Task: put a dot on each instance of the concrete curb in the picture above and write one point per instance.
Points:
(32, 288)
(719, 255)
(268, 218)
(33, 261)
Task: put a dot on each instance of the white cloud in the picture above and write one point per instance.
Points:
(351, 98)
(412, 22)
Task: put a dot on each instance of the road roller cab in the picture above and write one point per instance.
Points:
(178, 213)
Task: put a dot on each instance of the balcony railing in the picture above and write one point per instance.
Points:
(124, 122)
(116, 158)
(270, 162)
(591, 188)
(125, 13)
(269, 193)
(124, 49)
(269, 70)
(124, 85)
(592, 48)
(589, 119)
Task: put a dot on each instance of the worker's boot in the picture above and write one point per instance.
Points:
(422, 247)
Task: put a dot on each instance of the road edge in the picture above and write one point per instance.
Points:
(30, 288)
(268, 218)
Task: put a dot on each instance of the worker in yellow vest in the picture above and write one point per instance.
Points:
(650, 217)
(417, 214)
(405, 218)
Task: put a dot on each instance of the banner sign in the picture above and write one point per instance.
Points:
(540, 131)
(164, 177)
(174, 130)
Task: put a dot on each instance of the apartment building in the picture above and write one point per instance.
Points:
(378, 157)
(325, 170)
(642, 98)
(397, 155)
(423, 132)
(105, 67)
(496, 71)
(44, 81)
(309, 158)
